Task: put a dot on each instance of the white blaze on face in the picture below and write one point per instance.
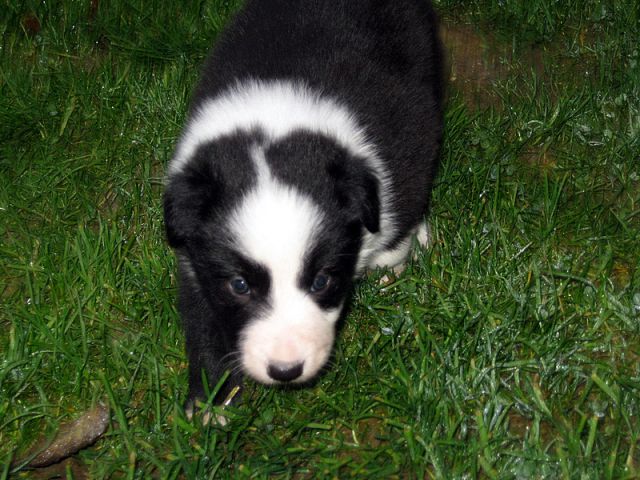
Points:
(275, 227)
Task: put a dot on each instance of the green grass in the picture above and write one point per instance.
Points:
(511, 349)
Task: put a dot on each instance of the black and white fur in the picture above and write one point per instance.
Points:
(307, 157)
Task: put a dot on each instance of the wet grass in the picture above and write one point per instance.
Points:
(508, 350)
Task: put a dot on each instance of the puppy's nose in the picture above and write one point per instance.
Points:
(285, 372)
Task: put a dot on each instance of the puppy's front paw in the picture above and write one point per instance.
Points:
(211, 415)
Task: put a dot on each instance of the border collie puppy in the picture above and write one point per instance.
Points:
(308, 156)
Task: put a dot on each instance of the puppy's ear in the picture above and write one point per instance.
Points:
(357, 190)
(367, 193)
(190, 198)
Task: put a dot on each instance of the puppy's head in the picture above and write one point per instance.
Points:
(270, 234)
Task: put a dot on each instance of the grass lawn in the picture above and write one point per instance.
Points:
(510, 349)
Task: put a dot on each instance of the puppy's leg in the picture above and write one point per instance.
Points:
(396, 257)
(424, 235)
(207, 349)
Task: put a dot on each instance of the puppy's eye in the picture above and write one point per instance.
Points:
(239, 286)
(320, 283)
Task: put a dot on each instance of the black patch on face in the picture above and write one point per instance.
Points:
(212, 181)
(337, 181)
(334, 253)
(216, 264)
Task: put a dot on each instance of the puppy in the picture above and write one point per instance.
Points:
(308, 156)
